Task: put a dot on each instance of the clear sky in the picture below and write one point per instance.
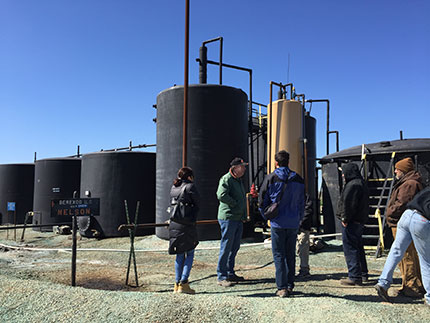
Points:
(87, 72)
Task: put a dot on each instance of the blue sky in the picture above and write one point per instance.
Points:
(87, 72)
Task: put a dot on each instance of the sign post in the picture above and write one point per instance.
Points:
(75, 207)
(11, 206)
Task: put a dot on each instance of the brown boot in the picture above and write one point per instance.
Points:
(185, 288)
(176, 287)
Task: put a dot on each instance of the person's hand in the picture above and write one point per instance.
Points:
(344, 224)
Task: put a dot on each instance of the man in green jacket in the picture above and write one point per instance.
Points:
(231, 213)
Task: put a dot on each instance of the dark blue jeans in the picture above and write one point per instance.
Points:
(353, 250)
(231, 233)
(284, 256)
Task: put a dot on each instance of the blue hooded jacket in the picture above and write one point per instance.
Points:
(292, 206)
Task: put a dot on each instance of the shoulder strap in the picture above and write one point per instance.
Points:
(283, 189)
(181, 192)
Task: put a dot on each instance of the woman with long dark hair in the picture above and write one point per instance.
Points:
(183, 234)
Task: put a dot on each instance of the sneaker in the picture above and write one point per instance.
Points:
(185, 289)
(382, 293)
(289, 291)
(235, 278)
(303, 274)
(350, 282)
(365, 279)
(282, 293)
(224, 283)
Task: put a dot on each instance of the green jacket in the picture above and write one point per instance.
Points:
(232, 198)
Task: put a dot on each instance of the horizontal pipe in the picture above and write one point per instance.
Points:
(153, 225)
(230, 66)
(35, 226)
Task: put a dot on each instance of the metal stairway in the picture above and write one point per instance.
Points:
(380, 187)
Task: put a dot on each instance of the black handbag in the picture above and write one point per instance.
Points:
(272, 210)
(180, 212)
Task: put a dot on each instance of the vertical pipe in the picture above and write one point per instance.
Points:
(203, 72)
(305, 173)
(401, 135)
(79, 153)
(269, 132)
(220, 60)
(185, 123)
(74, 243)
(250, 125)
(328, 126)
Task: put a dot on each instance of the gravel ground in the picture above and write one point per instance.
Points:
(35, 286)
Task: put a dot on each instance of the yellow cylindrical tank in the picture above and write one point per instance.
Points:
(284, 132)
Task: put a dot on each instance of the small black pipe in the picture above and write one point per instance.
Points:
(263, 105)
(337, 138)
(35, 156)
(220, 54)
(328, 121)
(203, 66)
(401, 135)
(249, 104)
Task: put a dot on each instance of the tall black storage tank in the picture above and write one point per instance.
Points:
(114, 177)
(55, 178)
(16, 185)
(217, 132)
(310, 129)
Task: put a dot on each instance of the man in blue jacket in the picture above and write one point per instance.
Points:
(285, 226)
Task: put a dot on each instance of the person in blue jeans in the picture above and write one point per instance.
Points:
(231, 214)
(285, 226)
(413, 226)
(182, 232)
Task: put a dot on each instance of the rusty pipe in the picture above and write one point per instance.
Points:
(185, 114)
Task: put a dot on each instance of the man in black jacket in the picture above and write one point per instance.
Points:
(353, 212)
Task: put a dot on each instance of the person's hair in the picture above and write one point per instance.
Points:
(283, 158)
(183, 174)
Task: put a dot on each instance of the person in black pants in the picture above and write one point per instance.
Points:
(353, 212)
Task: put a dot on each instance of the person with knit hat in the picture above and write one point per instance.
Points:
(407, 186)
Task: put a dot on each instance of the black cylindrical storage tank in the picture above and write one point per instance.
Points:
(55, 178)
(311, 181)
(378, 157)
(16, 185)
(114, 177)
(217, 132)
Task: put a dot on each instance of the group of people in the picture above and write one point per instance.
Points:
(408, 215)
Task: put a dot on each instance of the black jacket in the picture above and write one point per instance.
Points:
(421, 203)
(183, 238)
(353, 205)
(306, 223)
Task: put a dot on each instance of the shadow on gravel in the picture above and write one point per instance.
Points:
(322, 277)
(359, 298)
